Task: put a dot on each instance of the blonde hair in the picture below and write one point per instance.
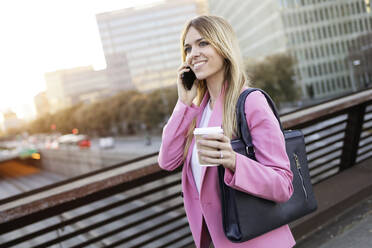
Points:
(219, 33)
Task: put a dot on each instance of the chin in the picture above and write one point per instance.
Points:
(200, 76)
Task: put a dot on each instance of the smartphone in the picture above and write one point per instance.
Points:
(188, 79)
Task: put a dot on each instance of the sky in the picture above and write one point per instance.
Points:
(40, 36)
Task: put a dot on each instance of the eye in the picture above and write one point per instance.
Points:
(203, 43)
(187, 49)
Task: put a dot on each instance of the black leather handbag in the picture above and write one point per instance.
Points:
(246, 216)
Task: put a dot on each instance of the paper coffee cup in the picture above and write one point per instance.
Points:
(198, 133)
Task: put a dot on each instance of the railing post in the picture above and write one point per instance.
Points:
(352, 136)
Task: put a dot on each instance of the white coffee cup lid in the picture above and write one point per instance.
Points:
(208, 130)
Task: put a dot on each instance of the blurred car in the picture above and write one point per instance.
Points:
(51, 141)
(106, 142)
(51, 144)
(84, 143)
(81, 140)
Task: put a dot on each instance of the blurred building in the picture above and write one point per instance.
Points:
(118, 73)
(360, 61)
(41, 104)
(317, 33)
(65, 88)
(148, 38)
(11, 121)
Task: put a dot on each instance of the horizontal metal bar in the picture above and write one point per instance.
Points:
(326, 170)
(148, 230)
(364, 129)
(323, 163)
(174, 241)
(326, 145)
(132, 224)
(140, 245)
(368, 112)
(325, 128)
(187, 244)
(369, 119)
(366, 136)
(324, 154)
(365, 152)
(325, 178)
(86, 215)
(366, 144)
(325, 137)
(364, 159)
(109, 220)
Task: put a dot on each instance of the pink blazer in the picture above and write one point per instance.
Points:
(270, 178)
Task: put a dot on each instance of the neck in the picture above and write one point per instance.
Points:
(214, 85)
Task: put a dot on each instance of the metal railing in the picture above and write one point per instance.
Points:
(337, 133)
(136, 204)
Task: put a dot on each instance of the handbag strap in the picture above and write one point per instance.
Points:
(243, 130)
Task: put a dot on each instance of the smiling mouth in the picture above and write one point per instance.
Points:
(199, 64)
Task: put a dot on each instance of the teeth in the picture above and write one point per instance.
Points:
(199, 64)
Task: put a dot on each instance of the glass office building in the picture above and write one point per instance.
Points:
(318, 33)
(149, 40)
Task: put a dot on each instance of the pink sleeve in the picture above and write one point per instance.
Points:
(270, 177)
(174, 135)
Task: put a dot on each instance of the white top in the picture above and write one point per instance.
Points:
(195, 166)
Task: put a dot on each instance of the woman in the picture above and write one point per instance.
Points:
(210, 49)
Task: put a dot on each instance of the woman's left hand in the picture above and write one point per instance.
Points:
(222, 152)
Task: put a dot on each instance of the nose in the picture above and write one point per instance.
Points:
(195, 52)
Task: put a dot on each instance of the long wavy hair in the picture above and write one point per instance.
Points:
(219, 33)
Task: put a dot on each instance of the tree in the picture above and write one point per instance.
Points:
(123, 102)
(171, 96)
(64, 119)
(125, 113)
(136, 113)
(275, 75)
(155, 109)
(41, 124)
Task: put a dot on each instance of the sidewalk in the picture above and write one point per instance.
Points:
(351, 229)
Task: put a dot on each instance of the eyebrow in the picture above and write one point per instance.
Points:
(195, 41)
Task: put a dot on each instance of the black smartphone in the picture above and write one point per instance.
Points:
(188, 79)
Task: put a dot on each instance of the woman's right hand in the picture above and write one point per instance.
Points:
(186, 96)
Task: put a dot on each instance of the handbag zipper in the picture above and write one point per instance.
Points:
(300, 173)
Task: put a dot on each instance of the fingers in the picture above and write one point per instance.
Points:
(221, 153)
(181, 70)
(212, 144)
(183, 67)
(218, 136)
(212, 154)
(215, 141)
(226, 161)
